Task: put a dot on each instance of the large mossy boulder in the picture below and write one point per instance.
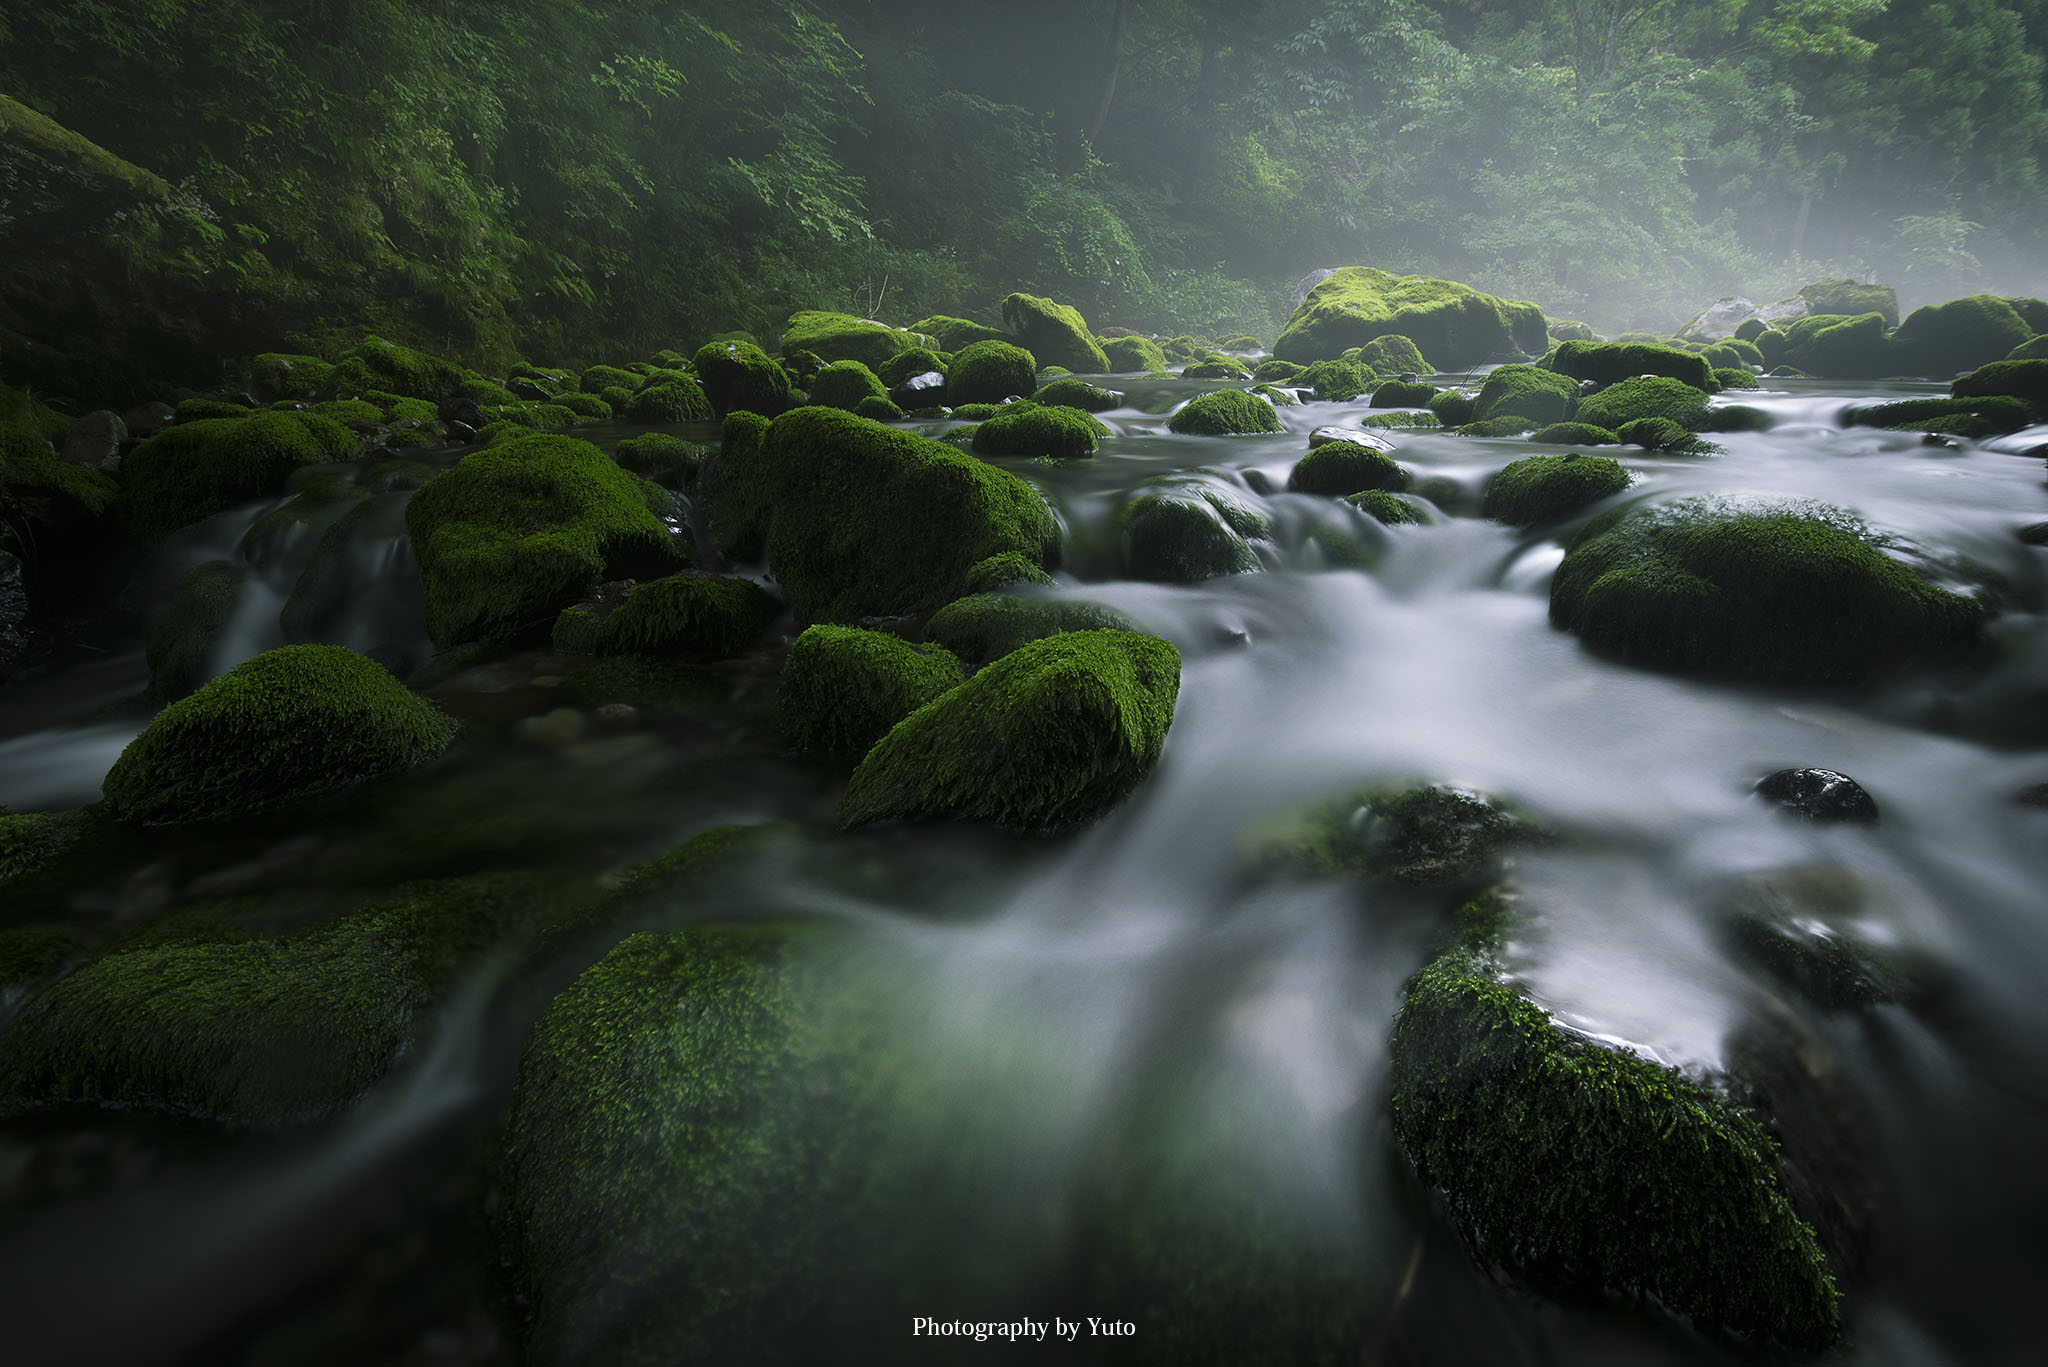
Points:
(1524, 391)
(1056, 334)
(1848, 298)
(990, 372)
(1538, 491)
(843, 384)
(1048, 737)
(987, 626)
(1186, 533)
(1456, 326)
(843, 337)
(1032, 430)
(1942, 340)
(1343, 468)
(953, 334)
(843, 688)
(1607, 362)
(292, 722)
(674, 398)
(689, 615)
(1223, 412)
(1650, 1185)
(514, 533)
(1796, 595)
(2024, 380)
(867, 520)
(197, 469)
(377, 364)
(1857, 348)
(1133, 355)
(1646, 396)
(1393, 354)
(740, 376)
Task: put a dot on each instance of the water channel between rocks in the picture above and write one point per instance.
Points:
(1046, 982)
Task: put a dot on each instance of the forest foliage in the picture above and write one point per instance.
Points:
(569, 179)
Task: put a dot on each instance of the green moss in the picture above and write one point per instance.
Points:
(1402, 394)
(1651, 1185)
(1217, 368)
(1608, 362)
(1736, 378)
(43, 856)
(1185, 534)
(870, 520)
(1071, 393)
(1848, 298)
(1574, 434)
(1341, 468)
(377, 364)
(1796, 595)
(1524, 391)
(1278, 372)
(1056, 334)
(1945, 339)
(485, 392)
(1650, 396)
(843, 384)
(1661, 434)
(906, 365)
(1424, 835)
(694, 616)
(989, 372)
(844, 688)
(662, 457)
(1455, 325)
(1799, 926)
(1454, 409)
(738, 375)
(1400, 419)
(1999, 413)
(28, 470)
(1050, 736)
(1393, 354)
(987, 626)
(195, 470)
(1000, 571)
(350, 410)
(595, 409)
(878, 409)
(843, 337)
(2026, 380)
(398, 408)
(975, 412)
(199, 409)
(733, 489)
(293, 721)
(1509, 426)
(1338, 381)
(1133, 355)
(1030, 430)
(514, 532)
(1856, 348)
(1542, 490)
(1387, 509)
(275, 375)
(182, 633)
(952, 334)
(672, 400)
(1225, 411)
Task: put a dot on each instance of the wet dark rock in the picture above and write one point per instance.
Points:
(95, 440)
(461, 433)
(1818, 795)
(1805, 927)
(462, 410)
(2036, 535)
(920, 391)
(1424, 835)
(148, 419)
(527, 389)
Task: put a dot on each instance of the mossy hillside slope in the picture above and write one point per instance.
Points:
(1454, 325)
(1050, 736)
(1788, 595)
(869, 520)
(1592, 1171)
(513, 533)
(293, 721)
(197, 469)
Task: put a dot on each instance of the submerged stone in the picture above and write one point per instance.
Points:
(1801, 927)
(1050, 736)
(1650, 1185)
(1424, 835)
(1818, 795)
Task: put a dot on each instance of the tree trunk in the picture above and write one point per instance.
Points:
(1117, 24)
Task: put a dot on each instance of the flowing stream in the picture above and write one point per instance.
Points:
(1304, 680)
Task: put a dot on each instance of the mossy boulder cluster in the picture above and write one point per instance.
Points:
(1455, 326)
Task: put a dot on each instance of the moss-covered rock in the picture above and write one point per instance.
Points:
(907, 365)
(1996, 414)
(1217, 367)
(1054, 333)
(1661, 434)
(1402, 394)
(680, 399)
(2026, 380)
(278, 375)
(1051, 735)
(1802, 926)
(183, 632)
(1277, 372)
(1855, 348)
(1032, 430)
(1608, 362)
(293, 721)
(1652, 1186)
(514, 532)
(843, 688)
(1510, 425)
(1072, 393)
(1454, 325)
(1133, 355)
(952, 334)
(1181, 535)
(1541, 490)
(987, 626)
(843, 337)
(843, 384)
(693, 616)
(1848, 298)
(1338, 381)
(1386, 509)
(1423, 835)
(1341, 468)
(879, 409)
(1224, 411)
(1942, 340)
(1736, 378)
(989, 372)
(1525, 391)
(1785, 595)
(1453, 408)
(197, 469)
(872, 521)
(1574, 434)
(739, 375)
(1648, 396)
(375, 363)
(662, 457)
(1393, 354)
(999, 571)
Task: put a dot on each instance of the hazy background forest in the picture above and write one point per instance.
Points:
(575, 178)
